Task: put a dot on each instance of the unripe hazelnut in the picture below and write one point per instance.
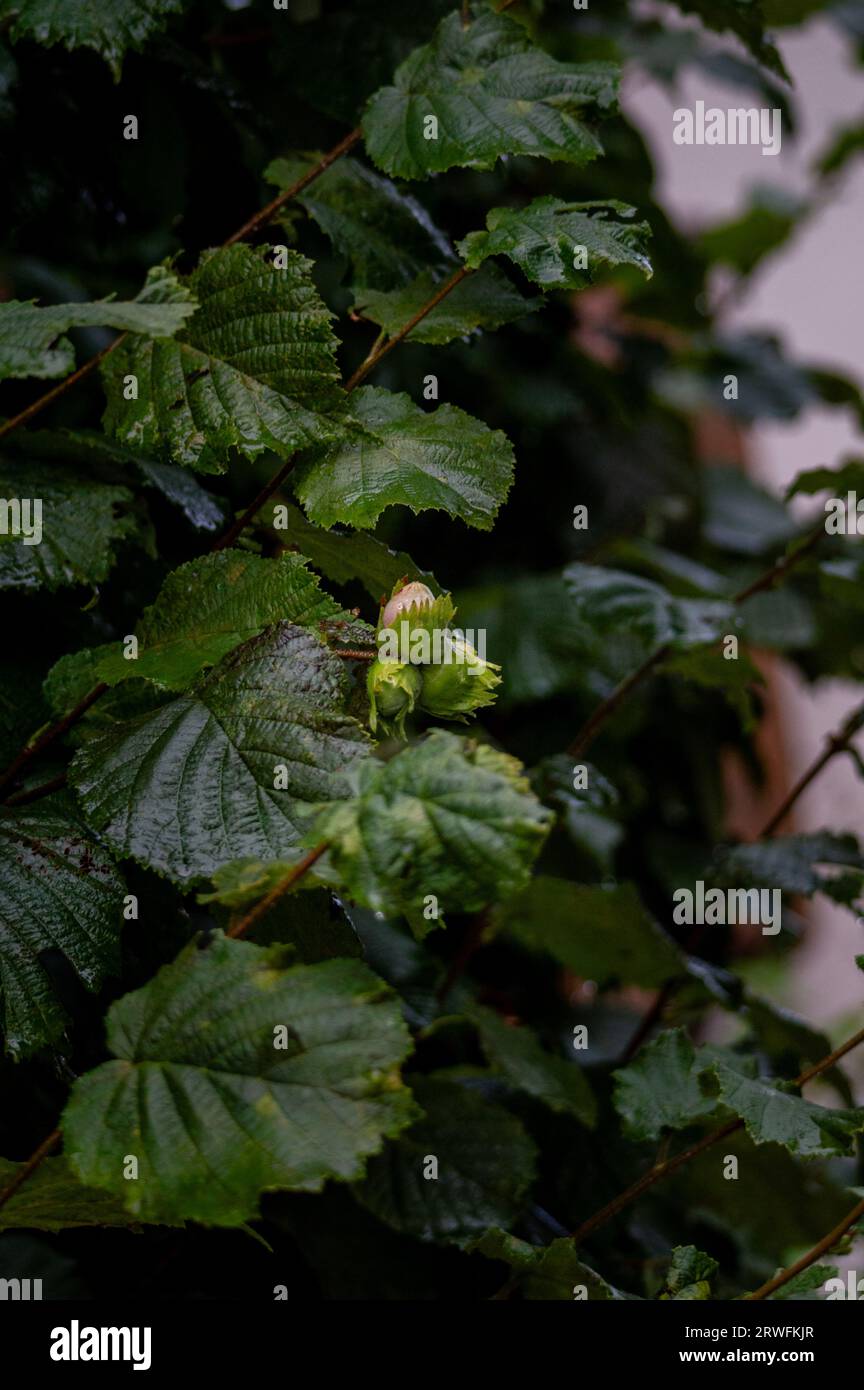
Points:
(413, 595)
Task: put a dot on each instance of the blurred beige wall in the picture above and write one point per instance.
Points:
(812, 293)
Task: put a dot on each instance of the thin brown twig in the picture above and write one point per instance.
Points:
(377, 353)
(254, 223)
(62, 725)
(261, 908)
(50, 735)
(24, 416)
(237, 930)
(30, 1166)
(671, 1165)
(36, 793)
(269, 212)
(835, 743)
(820, 1248)
(372, 360)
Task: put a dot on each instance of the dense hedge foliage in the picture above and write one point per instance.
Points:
(378, 956)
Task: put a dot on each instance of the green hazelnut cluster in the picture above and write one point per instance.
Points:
(424, 662)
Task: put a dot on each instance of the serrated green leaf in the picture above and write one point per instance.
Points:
(660, 1089)
(211, 605)
(385, 233)
(689, 1274)
(59, 891)
(517, 1053)
(485, 1166)
(111, 29)
(81, 523)
(394, 453)
(546, 240)
(31, 338)
(774, 1115)
(791, 863)
(672, 1085)
(446, 817)
(253, 370)
(216, 1112)
(551, 1273)
(807, 1282)
(192, 785)
(493, 92)
(607, 599)
(346, 555)
(52, 1199)
(484, 300)
(601, 934)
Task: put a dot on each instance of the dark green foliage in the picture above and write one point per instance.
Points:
(428, 1060)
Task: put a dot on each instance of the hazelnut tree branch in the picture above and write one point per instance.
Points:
(253, 225)
(838, 742)
(671, 1165)
(820, 1248)
(604, 711)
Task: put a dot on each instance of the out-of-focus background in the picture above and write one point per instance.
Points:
(811, 291)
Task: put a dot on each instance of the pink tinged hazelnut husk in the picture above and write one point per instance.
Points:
(413, 595)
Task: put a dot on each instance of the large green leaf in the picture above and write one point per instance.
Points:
(527, 1065)
(600, 933)
(486, 299)
(775, 1115)
(660, 1089)
(109, 462)
(237, 1074)
(398, 256)
(81, 523)
(689, 1274)
(447, 817)
(394, 453)
(346, 555)
(52, 1199)
(607, 599)
(191, 785)
(546, 240)
(209, 606)
(254, 369)
(386, 234)
(113, 29)
(672, 1085)
(31, 338)
(484, 1167)
(493, 92)
(59, 891)
(792, 864)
